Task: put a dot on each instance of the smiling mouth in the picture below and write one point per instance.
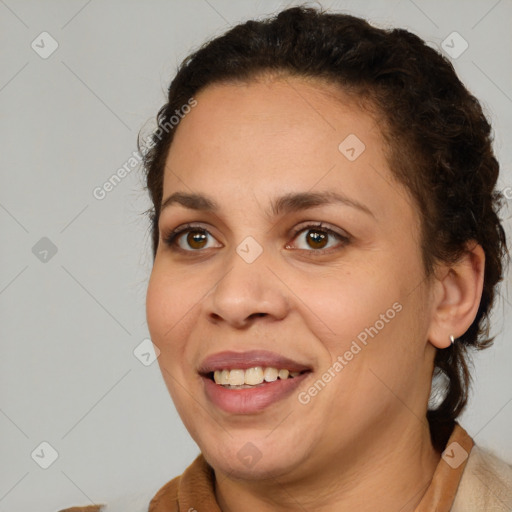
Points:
(257, 376)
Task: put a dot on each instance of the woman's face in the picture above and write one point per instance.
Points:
(255, 283)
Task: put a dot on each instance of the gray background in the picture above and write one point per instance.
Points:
(70, 322)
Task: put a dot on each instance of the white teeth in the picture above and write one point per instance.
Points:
(283, 374)
(236, 377)
(271, 374)
(252, 376)
(221, 376)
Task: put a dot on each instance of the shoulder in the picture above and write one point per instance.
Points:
(486, 484)
(167, 497)
(137, 502)
(90, 508)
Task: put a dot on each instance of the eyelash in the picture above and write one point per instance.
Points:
(171, 238)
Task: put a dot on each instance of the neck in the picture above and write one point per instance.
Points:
(388, 472)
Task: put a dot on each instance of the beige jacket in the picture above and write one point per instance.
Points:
(467, 479)
(486, 484)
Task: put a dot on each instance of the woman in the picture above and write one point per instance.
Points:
(326, 241)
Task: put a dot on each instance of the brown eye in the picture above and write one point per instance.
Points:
(189, 239)
(196, 239)
(318, 238)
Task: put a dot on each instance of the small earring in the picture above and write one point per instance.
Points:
(452, 339)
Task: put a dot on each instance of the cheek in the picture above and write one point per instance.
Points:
(346, 306)
(157, 310)
(165, 307)
(168, 298)
(173, 302)
(166, 314)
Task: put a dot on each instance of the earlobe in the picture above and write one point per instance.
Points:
(457, 294)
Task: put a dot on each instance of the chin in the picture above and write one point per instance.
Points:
(263, 468)
(251, 456)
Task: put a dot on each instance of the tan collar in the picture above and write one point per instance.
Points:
(441, 492)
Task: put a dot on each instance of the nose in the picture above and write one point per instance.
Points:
(245, 292)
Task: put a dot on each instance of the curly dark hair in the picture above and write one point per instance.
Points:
(440, 142)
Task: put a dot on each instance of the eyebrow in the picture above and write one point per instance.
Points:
(287, 203)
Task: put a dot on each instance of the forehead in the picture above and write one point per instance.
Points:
(313, 109)
(279, 135)
(292, 119)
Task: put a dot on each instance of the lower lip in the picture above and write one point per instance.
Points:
(250, 400)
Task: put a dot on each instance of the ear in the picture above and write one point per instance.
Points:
(457, 293)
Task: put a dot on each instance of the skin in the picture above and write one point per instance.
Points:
(243, 145)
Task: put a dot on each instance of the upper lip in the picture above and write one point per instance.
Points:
(249, 359)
